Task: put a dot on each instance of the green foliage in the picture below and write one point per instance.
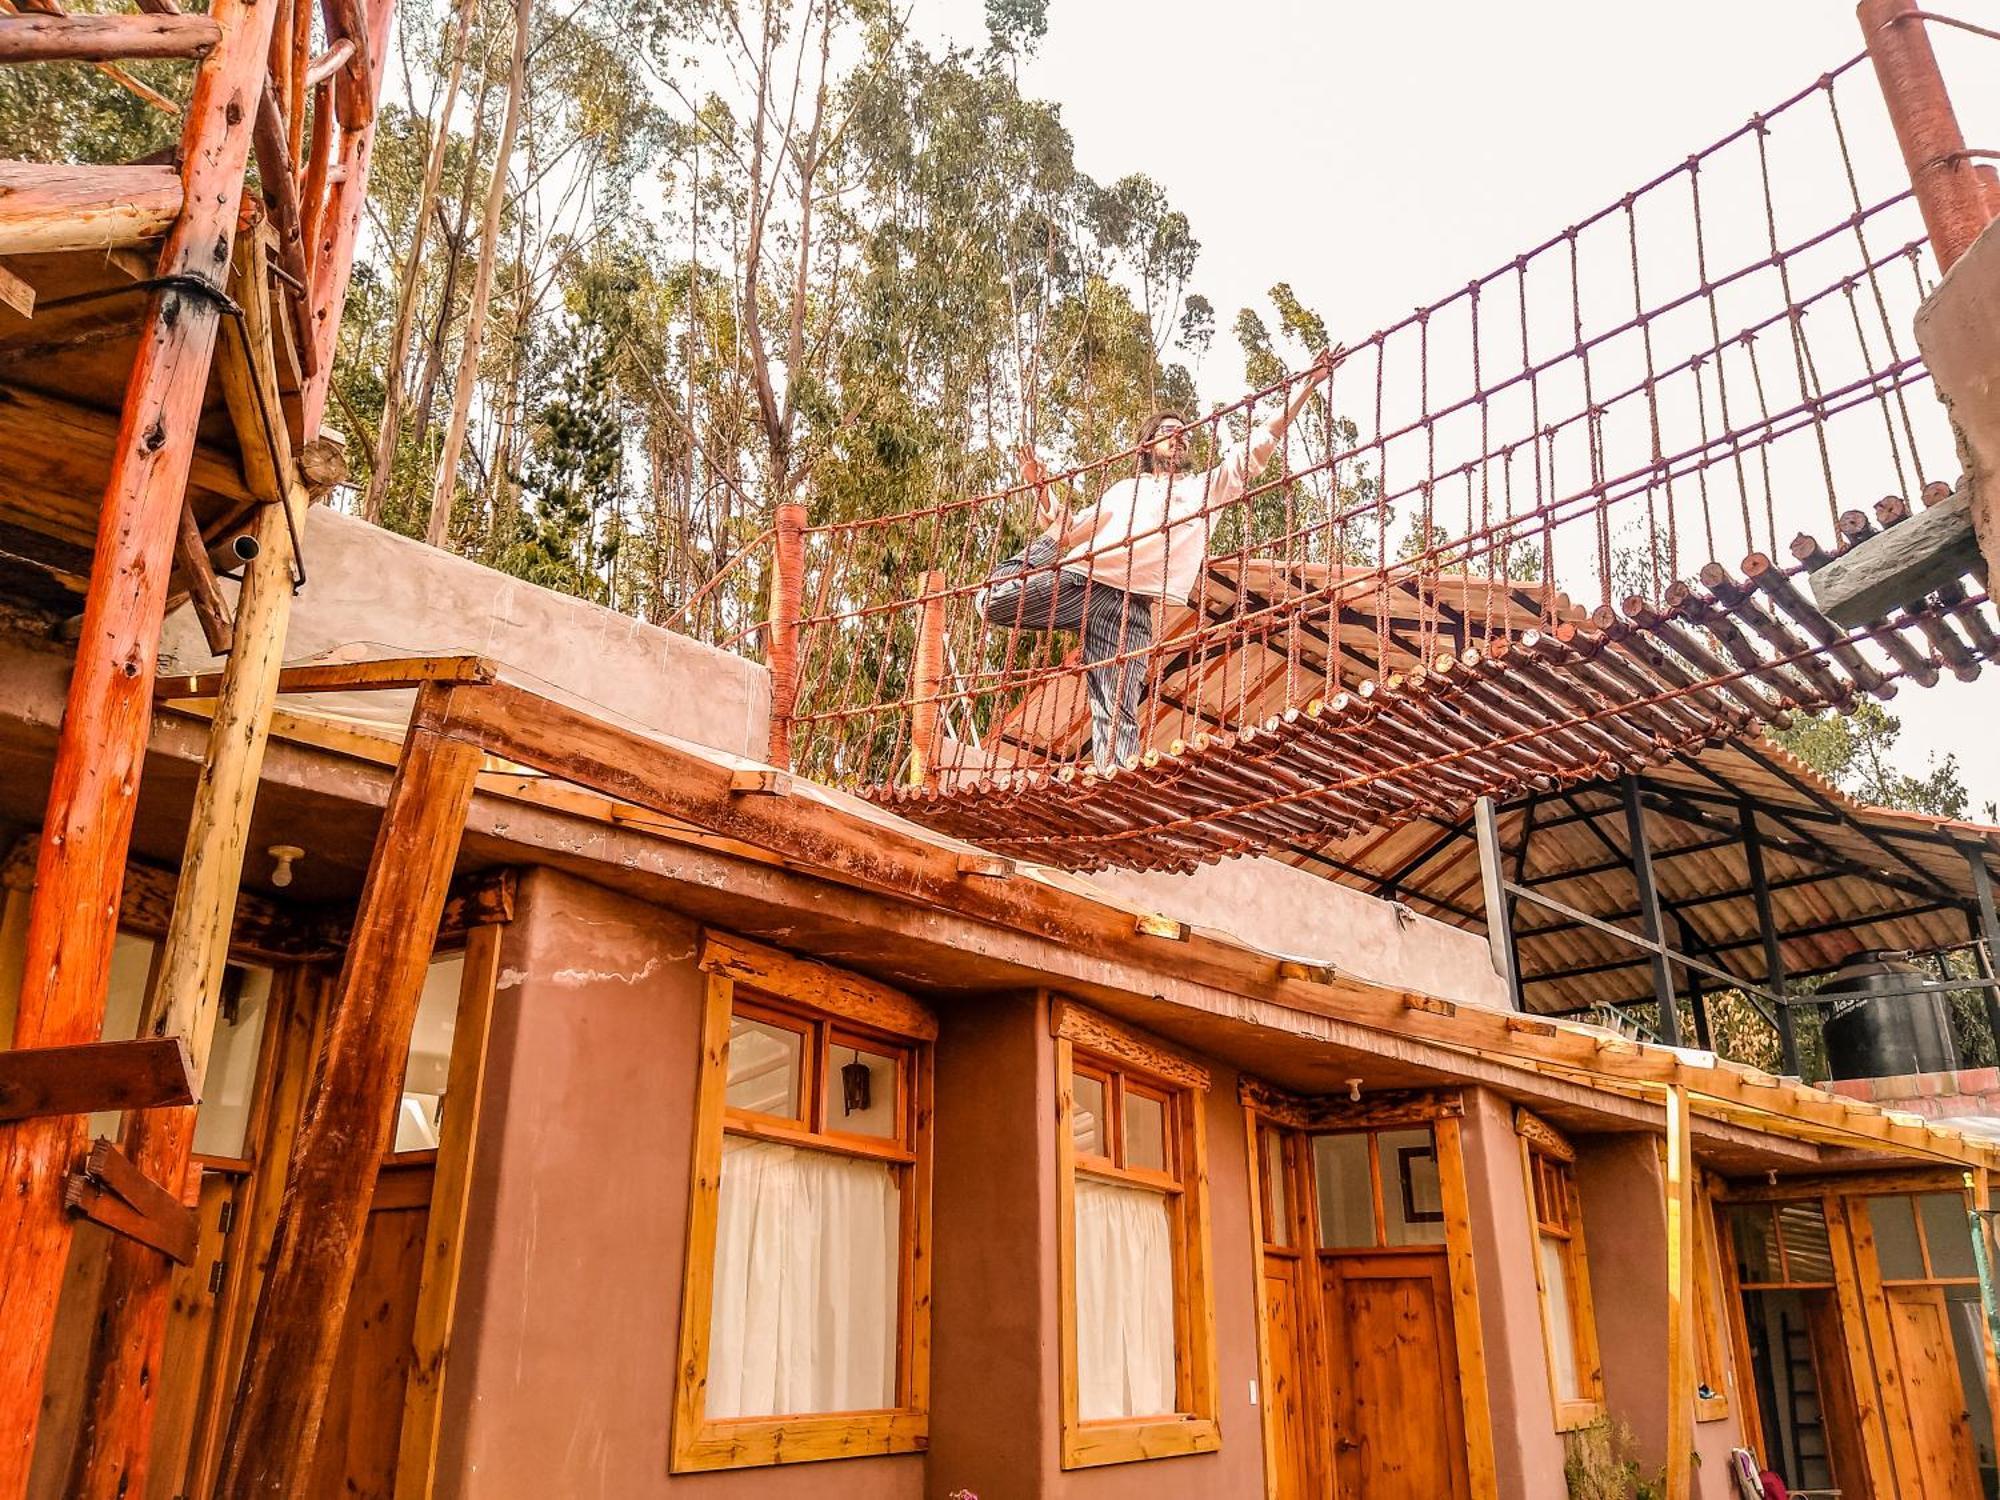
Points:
(1855, 751)
(1600, 1463)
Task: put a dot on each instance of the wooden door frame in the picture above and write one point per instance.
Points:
(1443, 1110)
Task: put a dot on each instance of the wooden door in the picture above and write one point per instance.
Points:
(1940, 1426)
(1398, 1424)
(1285, 1376)
(361, 1432)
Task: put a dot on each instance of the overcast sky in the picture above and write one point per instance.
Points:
(1379, 155)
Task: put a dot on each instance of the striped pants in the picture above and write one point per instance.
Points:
(1025, 593)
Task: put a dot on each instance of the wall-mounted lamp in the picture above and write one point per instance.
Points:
(286, 855)
(1354, 1090)
(854, 1088)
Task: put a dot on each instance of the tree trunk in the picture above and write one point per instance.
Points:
(482, 286)
(406, 301)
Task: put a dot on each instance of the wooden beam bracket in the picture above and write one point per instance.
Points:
(111, 1191)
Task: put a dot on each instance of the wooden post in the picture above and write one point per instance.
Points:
(281, 1393)
(927, 680)
(1649, 913)
(130, 1332)
(1985, 922)
(1954, 199)
(1681, 1364)
(1767, 927)
(1499, 910)
(787, 603)
(102, 743)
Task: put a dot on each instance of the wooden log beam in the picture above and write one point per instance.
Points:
(1895, 569)
(128, 1337)
(1681, 1285)
(47, 208)
(101, 747)
(86, 1077)
(16, 293)
(211, 610)
(348, 1114)
(382, 675)
(109, 38)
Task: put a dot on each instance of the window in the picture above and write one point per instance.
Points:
(1562, 1274)
(1378, 1189)
(1138, 1356)
(805, 1308)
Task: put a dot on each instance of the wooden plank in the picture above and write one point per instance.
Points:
(1499, 910)
(1895, 568)
(849, 996)
(110, 38)
(698, 1263)
(444, 1232)
(86, 1077)
(1682, 1370)
(1878, 1389)
(347, 1123)
(59, 208)
(1481, 1467)
(382, 675)
(170, 1236)
(1267, 1408)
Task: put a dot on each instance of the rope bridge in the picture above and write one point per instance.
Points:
(1486, 557)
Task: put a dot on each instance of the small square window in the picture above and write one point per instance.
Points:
(1145, 1131)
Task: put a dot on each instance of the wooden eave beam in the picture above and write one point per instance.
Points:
(46, 209)
(386, 674)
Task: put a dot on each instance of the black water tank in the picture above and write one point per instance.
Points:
(1870, 1034)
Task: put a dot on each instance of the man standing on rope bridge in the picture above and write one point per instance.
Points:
(1142, 543)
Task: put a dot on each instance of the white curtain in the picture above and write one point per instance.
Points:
(806, 1259)
(1124, 1302)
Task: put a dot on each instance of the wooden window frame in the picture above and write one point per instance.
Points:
(1711, 1347)
(1102, 1047)
(1545, 1151)
(837, 1008)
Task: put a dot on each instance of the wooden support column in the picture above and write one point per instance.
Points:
(1767, 928)
(1649, 913)
(122, 1385)
(281, 1393)
(1499, 909)
(782, 652)
(1984, 920)
(927, 681)
(1681, 1283)
(102, 743)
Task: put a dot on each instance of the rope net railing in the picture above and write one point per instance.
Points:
(1553, 459)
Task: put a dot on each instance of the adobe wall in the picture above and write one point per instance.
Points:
(1283, 909)
(562, 1376)
(1527, 1453)
(1621, 1181)
(372, 593)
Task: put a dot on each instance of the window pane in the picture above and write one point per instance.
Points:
(1277, 1190)
(1346, 1197)
(1947, 1234)
(764, 1068)
(1145, 1132)
(862, 1097)
(1808, 1252)
(1087, 1121)
(131, 968)
(808, 1250)
(1562, 1329)
(1124, 1302)
(1962, 1304)
(232, 1062)
(1756, 1240)
(1896, 1247)
(1412, 1204)
(422, 1109)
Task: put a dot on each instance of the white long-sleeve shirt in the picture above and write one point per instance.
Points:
(1149, 534)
